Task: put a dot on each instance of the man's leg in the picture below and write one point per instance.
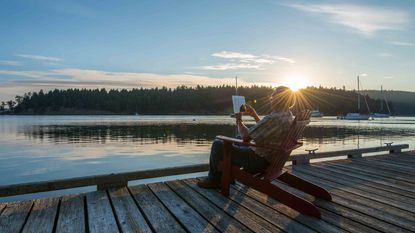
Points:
(241, 155)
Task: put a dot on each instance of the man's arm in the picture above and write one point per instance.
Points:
(243, 130)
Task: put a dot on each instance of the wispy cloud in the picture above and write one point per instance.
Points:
(40, 57)
(10, 63)
(238, 61)
(232, 66)
(84, 78)
(385, 55)
(402, 43)
(367, 20)
(234, 55)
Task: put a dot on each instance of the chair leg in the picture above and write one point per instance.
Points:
(305, 186)
(275, 192)
(225, 169)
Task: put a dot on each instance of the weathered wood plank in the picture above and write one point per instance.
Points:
(189, 218)
(100, 215)
(128, 214)
(100, 180)
(392, 165)
(366, 206)
(217, 217)
(311, 222)
(281, 221)
(373, 170)
(159, 218)
(14, 216)
(340, 218)
(243, 215)
(2, 206)
(363, 190)
(392, 184)
(360, 181)
(42, 216)
(71, 215)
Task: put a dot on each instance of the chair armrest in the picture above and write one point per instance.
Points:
(241, 142)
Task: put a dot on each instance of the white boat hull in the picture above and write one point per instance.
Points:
(355, 116)
(380, 115)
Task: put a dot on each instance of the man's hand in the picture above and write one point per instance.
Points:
(250, 111)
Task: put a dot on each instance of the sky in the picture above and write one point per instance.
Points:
(131, 44)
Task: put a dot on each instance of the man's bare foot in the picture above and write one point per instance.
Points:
(207, 184)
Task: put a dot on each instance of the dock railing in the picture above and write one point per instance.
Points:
(121, 179)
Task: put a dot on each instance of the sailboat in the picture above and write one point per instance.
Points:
(356, 115)
(381, 114)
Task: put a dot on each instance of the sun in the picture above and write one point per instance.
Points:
(295, 82)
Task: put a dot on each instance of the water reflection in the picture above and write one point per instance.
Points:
(194, 133)
(34, 148)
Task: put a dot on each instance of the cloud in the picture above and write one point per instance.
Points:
(88, 78)
(385, 55)
(39, 57)
(232, 66)
(240, 61)
(402, 43)
(230, 55)
(10, 63)
(366, 20)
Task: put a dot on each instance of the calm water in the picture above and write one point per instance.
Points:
(34, 148)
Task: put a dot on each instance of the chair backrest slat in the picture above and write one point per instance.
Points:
(291, 141)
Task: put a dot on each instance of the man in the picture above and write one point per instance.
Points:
(271, 130)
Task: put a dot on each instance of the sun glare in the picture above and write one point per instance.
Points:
(295, 82)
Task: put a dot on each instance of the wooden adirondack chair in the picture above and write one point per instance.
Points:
(263, 181)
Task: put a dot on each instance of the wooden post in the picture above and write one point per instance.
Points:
(354, 155)
(301, 161)
(105, 186)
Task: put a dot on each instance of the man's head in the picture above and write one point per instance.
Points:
(282, 99)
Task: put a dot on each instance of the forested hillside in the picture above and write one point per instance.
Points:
(181, 100)
(403, 101)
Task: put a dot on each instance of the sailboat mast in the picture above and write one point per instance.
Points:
(381, 98)
(358, 94)
(236, 85)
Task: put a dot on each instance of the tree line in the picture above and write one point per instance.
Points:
(180, 100)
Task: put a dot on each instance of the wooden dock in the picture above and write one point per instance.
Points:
(370, 194)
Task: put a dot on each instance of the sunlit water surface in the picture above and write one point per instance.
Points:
(34, 148)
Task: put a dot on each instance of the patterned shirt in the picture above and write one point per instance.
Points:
(271, 130)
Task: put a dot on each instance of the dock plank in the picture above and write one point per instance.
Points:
(100, 215)
(391, 164)
(190, 219)
(128, 214)
(389, 185)
(376, 178)
(373, 170)
(364, 162)
(2, 206)
(363, 190)
(269, 214)
(42, 216)
(340, 218)
(209, 211)
(159, 218)
(71, 215)
(367, 206)
(14, 216)
(243, 215)
(311, 222)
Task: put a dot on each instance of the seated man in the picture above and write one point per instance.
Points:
(271, 130)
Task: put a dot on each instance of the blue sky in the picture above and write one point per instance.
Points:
(126, 44)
